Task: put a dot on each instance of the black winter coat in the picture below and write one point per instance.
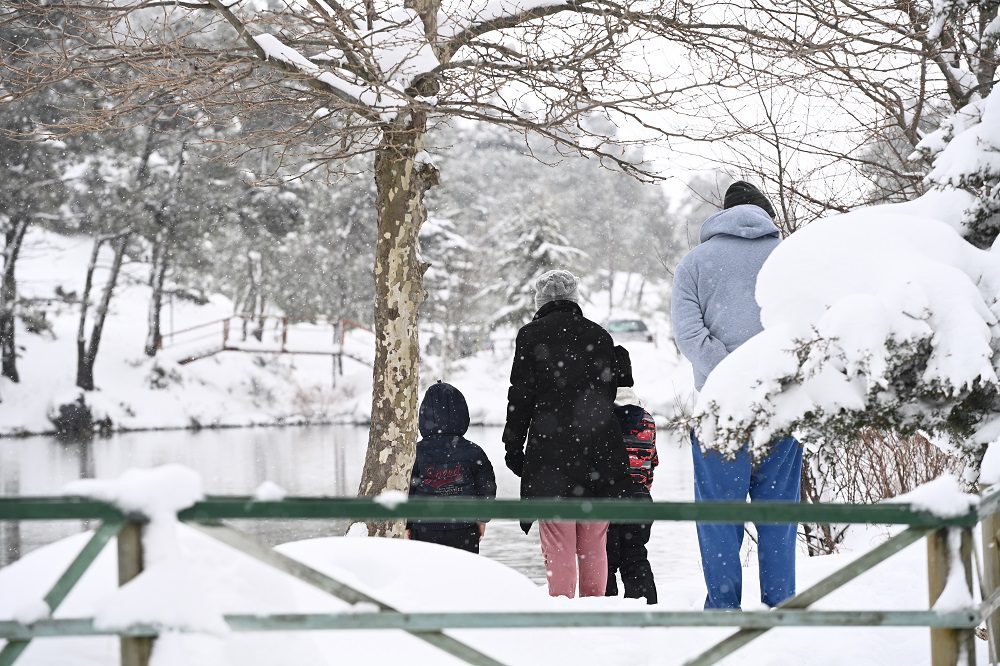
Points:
(447, 464)
(561, 399)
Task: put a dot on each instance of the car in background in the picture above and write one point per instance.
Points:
(629, 330)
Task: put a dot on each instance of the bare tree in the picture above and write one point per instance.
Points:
(878, 75)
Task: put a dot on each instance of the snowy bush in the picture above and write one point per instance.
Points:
(163, 375)
(885, 318)
(76, 414)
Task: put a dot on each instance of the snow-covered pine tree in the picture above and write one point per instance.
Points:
(451, 287)
(535, 244)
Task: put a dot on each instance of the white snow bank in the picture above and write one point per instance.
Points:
(178, 593)
(885, 308)
(942, 497)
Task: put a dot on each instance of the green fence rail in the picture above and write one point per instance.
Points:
(952, 632)
(637, 511)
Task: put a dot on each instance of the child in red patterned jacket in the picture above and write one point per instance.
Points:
(627, 541)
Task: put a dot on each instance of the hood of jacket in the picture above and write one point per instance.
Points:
(745, 221)
(443, 411)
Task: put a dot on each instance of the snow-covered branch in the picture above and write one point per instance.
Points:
(270, 48)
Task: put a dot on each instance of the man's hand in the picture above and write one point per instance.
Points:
(515, 462)
(482, 530)
(406, 534)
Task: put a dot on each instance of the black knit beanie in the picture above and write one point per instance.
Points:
(623, 367)
(742, 192)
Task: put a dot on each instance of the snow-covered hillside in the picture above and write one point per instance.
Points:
(239, 389)
(136, 392)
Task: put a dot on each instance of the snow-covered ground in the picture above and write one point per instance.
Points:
(229, 389)
(219, 580)
(237, 388)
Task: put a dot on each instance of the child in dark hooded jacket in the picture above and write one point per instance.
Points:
(626, 542)
(448, 465)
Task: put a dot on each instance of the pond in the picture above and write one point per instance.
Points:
(313, 460)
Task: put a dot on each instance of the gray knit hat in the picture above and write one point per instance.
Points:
(557, 285)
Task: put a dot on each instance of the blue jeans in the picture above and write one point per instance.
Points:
(776, 478)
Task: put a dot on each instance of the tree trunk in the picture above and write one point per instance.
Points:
(401, 183)
(85, 375)
(166, 222)
(8, 297)
(158, 273)
(87, 350)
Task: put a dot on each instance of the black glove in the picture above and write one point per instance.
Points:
(515, 462)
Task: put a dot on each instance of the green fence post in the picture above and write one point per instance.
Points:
(950, 647)
(135, 651)
(991, 578)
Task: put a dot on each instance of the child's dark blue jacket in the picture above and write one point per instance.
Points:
(447, 464)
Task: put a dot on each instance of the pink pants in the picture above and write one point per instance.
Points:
(562, 544)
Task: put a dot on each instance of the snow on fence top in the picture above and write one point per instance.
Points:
(882, 316)
(158, 493)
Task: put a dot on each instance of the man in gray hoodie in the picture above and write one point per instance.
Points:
(713, 312)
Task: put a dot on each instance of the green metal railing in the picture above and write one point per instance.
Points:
(952, 631)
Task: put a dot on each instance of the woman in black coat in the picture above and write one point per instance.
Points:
(561, 400)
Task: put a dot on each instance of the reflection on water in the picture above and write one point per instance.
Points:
(317, 460)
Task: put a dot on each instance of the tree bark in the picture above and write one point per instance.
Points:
(87, 349)
(166, 221)
(401, 183)
(8, 297)
(158, 273)
(81, 329)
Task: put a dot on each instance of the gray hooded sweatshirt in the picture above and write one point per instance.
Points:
(713, 307)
